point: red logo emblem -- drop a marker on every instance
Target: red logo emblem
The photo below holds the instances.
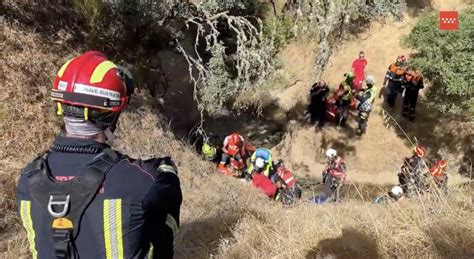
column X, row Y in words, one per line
column 448, row 20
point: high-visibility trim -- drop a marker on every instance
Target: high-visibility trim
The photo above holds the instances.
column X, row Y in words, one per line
column 149, row 255
column 113, row 229
column 167, row 168
column 25, row 213
column 63, row 68
column 171, row 223
column 287, row 181
column 86, row 113
column 100, row 71
column 60, row 109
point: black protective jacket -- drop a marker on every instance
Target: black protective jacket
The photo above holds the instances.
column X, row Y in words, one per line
column 134, row 214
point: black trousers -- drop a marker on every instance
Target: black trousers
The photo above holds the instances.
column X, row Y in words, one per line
column 409, row 103
column 362, row 126
column 342, row 112
column 394, row 88
column 318, row 112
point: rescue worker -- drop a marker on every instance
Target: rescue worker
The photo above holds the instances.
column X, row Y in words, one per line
column 394, row 195
column 394, row 77
column 358, row 67
column 440, row 176
column 317, row 106
column 124, row 207
column 334, row 162
column 411, row 84
column 288, row 188
column 345, row 94
column 282, row 174
column 261, row 162
column 366, row 100
column 234, row 146
column 411, row 171
column 209, row 152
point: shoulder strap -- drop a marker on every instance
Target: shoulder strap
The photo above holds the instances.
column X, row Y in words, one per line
column 65, row 202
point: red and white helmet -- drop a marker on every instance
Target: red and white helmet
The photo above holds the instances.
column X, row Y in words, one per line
column 235, row 139
column 91, row 87
column 419, row 150
column 441, row 163
column 402, row 59
column 92, row 81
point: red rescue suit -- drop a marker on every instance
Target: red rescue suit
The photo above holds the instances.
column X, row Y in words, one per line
column 265, row 184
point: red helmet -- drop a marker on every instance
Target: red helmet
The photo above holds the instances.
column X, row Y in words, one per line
column 92, row 81
column 402, row 59
column 236, row 139
column 441, row 163
column 419, row 150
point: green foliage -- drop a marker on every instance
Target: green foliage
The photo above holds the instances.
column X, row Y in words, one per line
column 279, row 30
column 446, row 58
column 242, row 7
column 376, row 9
column 91, row 9
column 216, row 87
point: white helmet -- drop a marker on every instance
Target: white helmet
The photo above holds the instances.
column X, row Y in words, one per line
column 259, row 163
column 396, row 191
column 370, row 80
column 331, row 153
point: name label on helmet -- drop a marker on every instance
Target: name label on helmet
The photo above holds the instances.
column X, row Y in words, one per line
column 96, row 91
column 62, row 85
column 57, row 95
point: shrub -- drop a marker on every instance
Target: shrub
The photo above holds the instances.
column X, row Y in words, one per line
column 446, row 59
column 91, row 10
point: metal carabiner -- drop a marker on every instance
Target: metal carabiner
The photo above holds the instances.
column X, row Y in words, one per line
column 65, row 205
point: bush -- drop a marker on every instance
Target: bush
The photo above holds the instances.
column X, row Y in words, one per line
column 446, row 59
column 279, row 30
column 91, row 10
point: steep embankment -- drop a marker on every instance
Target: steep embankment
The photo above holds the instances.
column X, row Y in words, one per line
column 377, row 155
column 222, row 216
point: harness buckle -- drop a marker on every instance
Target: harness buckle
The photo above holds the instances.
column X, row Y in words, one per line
column 55, row 203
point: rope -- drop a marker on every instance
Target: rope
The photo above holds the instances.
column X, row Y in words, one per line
column 386, row 114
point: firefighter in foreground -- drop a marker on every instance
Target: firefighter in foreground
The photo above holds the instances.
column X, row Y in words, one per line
column 124, row 208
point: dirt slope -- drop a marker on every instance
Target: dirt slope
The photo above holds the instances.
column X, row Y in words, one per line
column 377, row 155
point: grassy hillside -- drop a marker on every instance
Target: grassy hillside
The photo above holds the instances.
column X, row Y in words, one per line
column 221, row 217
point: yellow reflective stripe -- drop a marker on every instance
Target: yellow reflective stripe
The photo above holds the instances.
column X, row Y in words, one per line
column 100, row 71
column 25, row 214
column 63, row 68
column 171, row 223
column 108, row 248
column 150, row 252
column 113, row 229
column 167, row 168
column 118, row 213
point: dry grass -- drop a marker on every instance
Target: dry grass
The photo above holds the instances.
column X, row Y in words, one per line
column 221, row 217
column 27, row 124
